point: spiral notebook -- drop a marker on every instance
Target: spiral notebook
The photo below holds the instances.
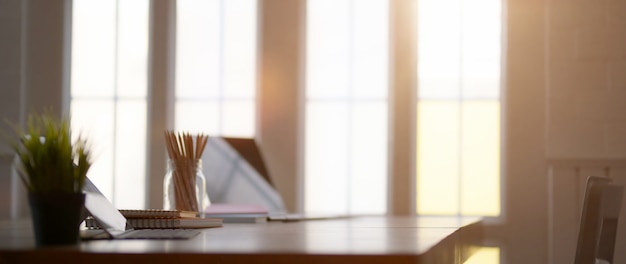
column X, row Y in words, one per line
column 163, row 223
column 157, row 213
column 116, row 226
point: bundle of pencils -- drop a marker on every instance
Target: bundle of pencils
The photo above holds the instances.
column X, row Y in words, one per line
column 184, row 156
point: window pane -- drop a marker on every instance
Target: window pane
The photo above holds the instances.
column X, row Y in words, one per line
column 346, row 113
column 371, row 49
column 198, row 57
column 239, row 48
column 481, row 49
column 438, row 157
column 368, row 148
column 130, row 154
column 197, row 117
column 459, row 57
column 216, row 67
column 480, row 33
column 94, row 119
column 132, row 48
column 327, row 160
column 458, row 165
column 233, row 118
column 438, row 60
column 93, row 48
column 238, row 118
column 480, row 149
column 108, row 93
column 328, row 48
column 481, row 79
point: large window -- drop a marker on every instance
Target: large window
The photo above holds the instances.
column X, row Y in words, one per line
column 458, row 109
column 346, row 87
column 214, row 91
column 346, row 106
column 109, row 93
column 216, row 66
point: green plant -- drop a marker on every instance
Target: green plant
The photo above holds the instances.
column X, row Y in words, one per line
column 48, row 160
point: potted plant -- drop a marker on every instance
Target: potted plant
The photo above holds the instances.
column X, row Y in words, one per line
column 53, row 170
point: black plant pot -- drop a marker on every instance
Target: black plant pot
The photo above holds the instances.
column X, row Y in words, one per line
column 56, row 217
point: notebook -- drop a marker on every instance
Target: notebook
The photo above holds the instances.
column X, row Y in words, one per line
column 157, row 213
column 163, row 223
column 237, row 213
column 116, row 226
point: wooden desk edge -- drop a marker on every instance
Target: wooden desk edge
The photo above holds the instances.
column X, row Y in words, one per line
column 456, row 248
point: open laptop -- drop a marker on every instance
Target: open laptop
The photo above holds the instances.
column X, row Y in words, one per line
column 237, row 174
column 115, row 225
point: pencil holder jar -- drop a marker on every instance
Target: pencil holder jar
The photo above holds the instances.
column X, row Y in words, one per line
column 184, row 186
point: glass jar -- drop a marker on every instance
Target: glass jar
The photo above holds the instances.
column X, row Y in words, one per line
column 184, row 186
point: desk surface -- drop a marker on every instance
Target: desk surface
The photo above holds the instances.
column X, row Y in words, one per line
column 362, row 239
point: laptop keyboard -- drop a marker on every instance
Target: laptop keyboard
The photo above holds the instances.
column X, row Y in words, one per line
column 160, row 234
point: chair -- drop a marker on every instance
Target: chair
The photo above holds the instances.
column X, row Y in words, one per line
column 598, row 222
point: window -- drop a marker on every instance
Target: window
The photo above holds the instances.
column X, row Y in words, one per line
column 346, row 106
column 215, row 82
column 109, row 92
column 346, row 96
column 458, row 109
column 216, row 67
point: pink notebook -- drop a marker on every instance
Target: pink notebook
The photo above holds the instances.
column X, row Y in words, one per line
column 235, row 209
column 237, row 213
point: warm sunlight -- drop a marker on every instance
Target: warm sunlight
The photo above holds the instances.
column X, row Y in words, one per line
column 346, row 106
column 216, row 45
column 458, row 109
column 485, row 255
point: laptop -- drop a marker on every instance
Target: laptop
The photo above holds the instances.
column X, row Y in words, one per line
column 115, row 225
column 237, row 175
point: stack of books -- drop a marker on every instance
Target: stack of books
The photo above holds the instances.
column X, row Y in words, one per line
column 161, row 219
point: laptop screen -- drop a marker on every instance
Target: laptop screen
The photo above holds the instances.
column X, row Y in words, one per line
column 102, row 210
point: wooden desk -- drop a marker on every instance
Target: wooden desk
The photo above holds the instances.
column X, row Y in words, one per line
column 354, row 240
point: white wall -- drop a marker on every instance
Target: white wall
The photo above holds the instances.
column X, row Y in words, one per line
column 566, row 86
column 32, row 42
column 10, row 47
column 280, row 68
column 524, row 173
column 586, row 60
column 586, row 113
